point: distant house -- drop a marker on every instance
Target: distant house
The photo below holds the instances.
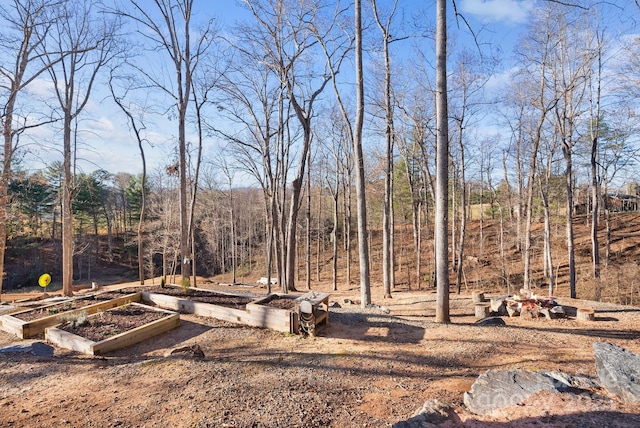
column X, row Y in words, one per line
column 619, row 203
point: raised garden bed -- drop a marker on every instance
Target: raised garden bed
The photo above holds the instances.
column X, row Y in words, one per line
column 222, row 306
column 113, row 329
column 276, row 311
column 28, row 323
column 203, row 296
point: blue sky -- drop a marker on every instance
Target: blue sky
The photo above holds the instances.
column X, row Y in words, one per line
column 108, row 143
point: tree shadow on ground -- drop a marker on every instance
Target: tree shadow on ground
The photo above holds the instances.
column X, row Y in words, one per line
column 372, row 328
column 602, row 418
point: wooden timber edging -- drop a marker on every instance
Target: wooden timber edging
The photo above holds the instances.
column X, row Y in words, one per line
column 26, row 329
column 183, row 305
column 254, row 314
column 71, row 341
column 261, row 315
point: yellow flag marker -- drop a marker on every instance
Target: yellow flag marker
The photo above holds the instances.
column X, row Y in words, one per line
column 44, row 280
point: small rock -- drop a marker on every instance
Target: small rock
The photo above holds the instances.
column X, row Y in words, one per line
column 334, row 305
column 430, row 415
column 192, row 351
column 491, row 321
column 348, row 302
column 382, row 309
column 618, row 370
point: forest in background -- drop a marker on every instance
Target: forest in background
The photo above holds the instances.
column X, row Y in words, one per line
column 106, row 240
column 550, row 137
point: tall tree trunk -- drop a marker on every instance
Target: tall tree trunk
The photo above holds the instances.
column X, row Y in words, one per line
column 319, row 226
column 334, row 233
column 67, row 213
column 361, row 199
column 595, row 188
column 463, row 216
column 234, row 238
column 308, row 223
column 388, row 266
column 569, row 225
column 442, row 168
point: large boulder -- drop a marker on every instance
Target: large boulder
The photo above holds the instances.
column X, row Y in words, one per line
column 618, row 370
column 497, row 389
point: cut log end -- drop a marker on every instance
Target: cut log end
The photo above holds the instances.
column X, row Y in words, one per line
column 478, row 296
column 585, row 314
column 482, row 310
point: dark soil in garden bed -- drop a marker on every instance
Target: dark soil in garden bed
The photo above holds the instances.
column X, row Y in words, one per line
column 231, row 301
column 280, row 303
column 60, row 308
column 114, row 321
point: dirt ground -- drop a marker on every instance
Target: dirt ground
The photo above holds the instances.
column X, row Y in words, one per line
column 365, row 369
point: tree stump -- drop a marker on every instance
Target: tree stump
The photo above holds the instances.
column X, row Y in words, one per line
column 482, row 310
column 477, row 296
column 585, row 314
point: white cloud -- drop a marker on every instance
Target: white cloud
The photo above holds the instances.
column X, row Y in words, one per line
column 499, row 81
column 42, row 88
column 507, row 11
column 102, row 124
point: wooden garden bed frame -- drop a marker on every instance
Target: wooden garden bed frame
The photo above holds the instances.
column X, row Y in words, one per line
column 26, row 329
column 184, row 305
column 64, row 339
column 261, row 315
column 253, row 315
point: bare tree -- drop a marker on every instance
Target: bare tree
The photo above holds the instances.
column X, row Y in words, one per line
column 88, row 43
column 442, row 168
column 25, row 25
column 570, row 70
column 595, row 95
column 388, row 266
column 361, row 198
column 466, row 101
column 138, row 127
column 167, row 27
column 534, row 101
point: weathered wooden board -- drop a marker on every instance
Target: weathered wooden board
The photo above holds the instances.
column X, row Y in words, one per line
column 197, row 308
column 254, row 315
column 260, row 315
column 77, row 343
column 26, row 329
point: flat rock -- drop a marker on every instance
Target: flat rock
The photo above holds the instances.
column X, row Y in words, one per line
column 430, row 415
column 382, row 309
column 192, row 351
column 491, row 321
column 618, row 370
column 497, row 389
column 36, row 348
